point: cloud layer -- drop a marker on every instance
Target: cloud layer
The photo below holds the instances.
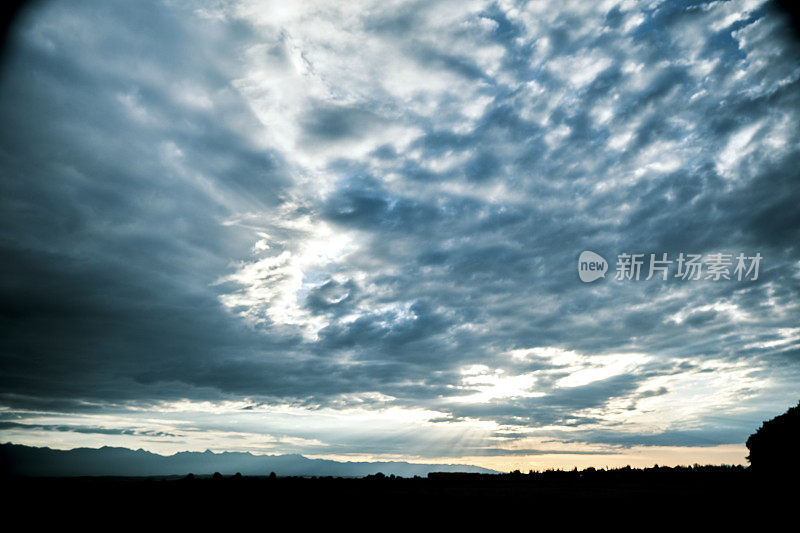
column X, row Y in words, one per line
column 354, row 229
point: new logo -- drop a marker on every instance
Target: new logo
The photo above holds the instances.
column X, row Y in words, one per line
column 591, row 266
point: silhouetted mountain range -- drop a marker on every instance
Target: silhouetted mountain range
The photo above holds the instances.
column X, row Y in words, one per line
column 107, row 461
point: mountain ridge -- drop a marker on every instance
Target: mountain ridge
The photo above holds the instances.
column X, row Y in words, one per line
column 19, row 459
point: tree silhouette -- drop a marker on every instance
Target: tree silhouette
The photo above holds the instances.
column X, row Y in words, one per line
column 774, row 446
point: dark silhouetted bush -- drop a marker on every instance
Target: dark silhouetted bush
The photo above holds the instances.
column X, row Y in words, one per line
column 774, row 447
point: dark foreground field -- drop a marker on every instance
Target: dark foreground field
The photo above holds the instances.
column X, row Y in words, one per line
column 689, row 492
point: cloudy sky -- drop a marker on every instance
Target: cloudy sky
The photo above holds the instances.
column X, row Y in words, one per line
column 351, row 229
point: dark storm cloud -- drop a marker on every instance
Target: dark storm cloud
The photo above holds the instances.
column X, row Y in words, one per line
column 136, row 180
column 328, row 123
column 108, row 287
column 557, row 407
column 83, row 429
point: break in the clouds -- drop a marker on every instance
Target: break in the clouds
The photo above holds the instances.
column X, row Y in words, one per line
column 352, row 229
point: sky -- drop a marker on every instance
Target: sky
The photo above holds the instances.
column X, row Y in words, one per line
column 351, row 230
